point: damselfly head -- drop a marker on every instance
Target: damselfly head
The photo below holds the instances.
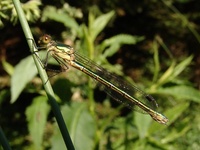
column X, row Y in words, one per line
column 44, row 40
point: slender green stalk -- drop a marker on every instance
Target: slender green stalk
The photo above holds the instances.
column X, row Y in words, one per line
column 44, row 77
column 4, row 141
column 156, row 61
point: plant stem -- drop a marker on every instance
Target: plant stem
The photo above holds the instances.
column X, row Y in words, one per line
column 4, row 141
column 44, row 77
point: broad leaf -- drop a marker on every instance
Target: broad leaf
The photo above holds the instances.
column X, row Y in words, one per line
column 181, row 92
column 81, row 126
column 51, row 12
column 36, row 115
column 142, row 122
column 181, row 66
column 115, row 42
column 96, row 26
column 24, row 72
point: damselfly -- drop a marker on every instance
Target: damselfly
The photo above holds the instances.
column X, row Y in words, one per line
column 117, row 88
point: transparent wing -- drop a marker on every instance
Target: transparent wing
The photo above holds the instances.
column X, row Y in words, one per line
column 115, row 80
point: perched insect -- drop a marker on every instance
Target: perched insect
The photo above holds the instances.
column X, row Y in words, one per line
column 117, row 88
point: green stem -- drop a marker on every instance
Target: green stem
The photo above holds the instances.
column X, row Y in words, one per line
column 44, row 77
column 4, row 141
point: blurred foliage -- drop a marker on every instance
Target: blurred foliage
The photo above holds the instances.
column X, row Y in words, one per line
column 8, row 13
column 163, row 56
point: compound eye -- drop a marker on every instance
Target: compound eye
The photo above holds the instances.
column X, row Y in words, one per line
column 46, row 38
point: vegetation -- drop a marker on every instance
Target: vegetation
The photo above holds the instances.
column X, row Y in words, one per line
column 152, row 44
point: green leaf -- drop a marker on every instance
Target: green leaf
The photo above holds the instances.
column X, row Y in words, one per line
column 181, row 92
column 167, row 74
column 24, row 72
column 175, row 134
column 115, row 42
column 96, row 26
column 32, row 10
column 142, row 122
column 51, row 12
column 174, row 70
column 8, row 67
column 81, row 127
column 172, row 114
column 181, row 66
column 36, row 115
